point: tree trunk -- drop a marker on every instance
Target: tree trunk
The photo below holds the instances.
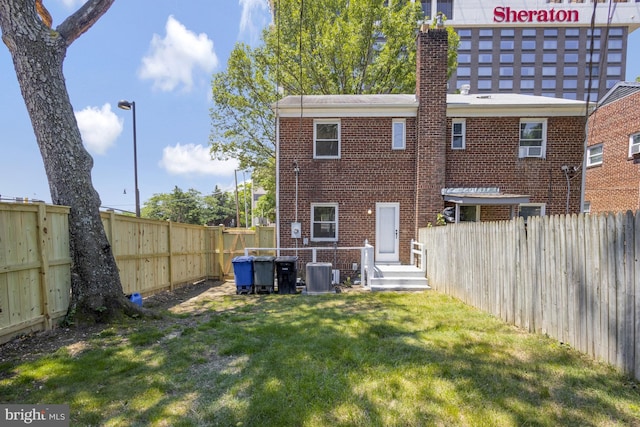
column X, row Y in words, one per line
column 38, row 53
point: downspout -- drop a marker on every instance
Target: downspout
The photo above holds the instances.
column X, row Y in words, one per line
column 277, row 181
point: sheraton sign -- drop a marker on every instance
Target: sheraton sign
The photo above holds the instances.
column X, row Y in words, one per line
column 506, row 14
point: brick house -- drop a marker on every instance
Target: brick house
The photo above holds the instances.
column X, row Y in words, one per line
column 379, row 167
column 612, row 181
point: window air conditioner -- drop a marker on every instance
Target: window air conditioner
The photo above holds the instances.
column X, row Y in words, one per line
column 635, row 149
column 530, row 152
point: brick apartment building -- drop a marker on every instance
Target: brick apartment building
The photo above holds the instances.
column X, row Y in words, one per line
column 379, row 167
column 612, row 181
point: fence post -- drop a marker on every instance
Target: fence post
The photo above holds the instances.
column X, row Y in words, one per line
column 43, row 254
column 170, row 266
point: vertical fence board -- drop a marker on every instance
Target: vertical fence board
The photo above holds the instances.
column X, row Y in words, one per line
column 636, row 293
column 627, row 319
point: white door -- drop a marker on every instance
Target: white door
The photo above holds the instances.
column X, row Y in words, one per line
column 387, row 232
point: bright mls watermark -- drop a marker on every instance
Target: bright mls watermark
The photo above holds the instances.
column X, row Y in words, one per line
column 34, row 415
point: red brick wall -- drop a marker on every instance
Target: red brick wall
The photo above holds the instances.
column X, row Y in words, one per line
column 490, row 159
column 368, row 171
column 615, row 184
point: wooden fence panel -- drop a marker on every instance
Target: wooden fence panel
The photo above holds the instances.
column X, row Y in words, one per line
column 34, row 267
column 576, row 278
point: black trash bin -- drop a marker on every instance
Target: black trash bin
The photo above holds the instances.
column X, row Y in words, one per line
column 287, row 272
column 243, row 273
column 263, row 274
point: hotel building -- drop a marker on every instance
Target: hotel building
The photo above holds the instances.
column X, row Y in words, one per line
column 540, row 47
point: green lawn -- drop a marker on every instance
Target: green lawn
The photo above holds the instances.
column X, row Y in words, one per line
column 356, row 359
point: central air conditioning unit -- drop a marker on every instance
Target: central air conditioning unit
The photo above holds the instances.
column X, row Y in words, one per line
column 319, row 278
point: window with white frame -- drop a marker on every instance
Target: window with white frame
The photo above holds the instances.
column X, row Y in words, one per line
column 398, row 134
column 533, row 138
column 324, row 222
column 634, row 144
column 586, row 207
column 458, row 133
column 525, row 210
column 326, row 139
column 594, row 155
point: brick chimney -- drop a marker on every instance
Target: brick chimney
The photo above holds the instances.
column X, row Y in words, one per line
column 431, row 93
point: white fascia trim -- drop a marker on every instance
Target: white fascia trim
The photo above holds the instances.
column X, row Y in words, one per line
column 514, row 111
column 377, row 111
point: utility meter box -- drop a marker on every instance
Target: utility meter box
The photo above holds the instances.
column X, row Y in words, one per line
column 296, row 230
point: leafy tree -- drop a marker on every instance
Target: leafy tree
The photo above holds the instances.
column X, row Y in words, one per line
column 38, row 53
column 638, row 79
column 332, row 47
column 221, row 208
column 177, row 206
column 191, row 207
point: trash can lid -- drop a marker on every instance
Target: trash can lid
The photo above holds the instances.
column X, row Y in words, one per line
column 243, row 259
column 264, row 258
column 287, row 259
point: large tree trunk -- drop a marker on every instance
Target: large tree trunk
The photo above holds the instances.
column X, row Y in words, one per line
column 38, row 53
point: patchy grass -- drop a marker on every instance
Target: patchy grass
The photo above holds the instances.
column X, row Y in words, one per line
column 357, row 359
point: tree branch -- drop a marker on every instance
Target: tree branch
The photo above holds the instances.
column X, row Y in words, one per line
column 83, row 19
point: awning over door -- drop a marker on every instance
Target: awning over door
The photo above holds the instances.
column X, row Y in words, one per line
column 482, row 196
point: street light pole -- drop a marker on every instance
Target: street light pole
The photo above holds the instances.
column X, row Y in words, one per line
column 126, row 105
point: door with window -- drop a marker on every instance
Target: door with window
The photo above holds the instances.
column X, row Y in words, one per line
column 387, row 232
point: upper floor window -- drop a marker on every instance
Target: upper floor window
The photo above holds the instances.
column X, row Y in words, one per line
column 458, row 132
column 398, row 134
column 533, row 138
column 326, row 139
column 324, row 222
column 594, row 155
column 634, row 144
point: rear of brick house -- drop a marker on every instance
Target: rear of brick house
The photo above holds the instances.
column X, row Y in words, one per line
column 352, row 168
column 612, row 177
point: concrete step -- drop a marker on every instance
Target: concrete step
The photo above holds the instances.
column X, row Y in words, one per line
column 393, row 283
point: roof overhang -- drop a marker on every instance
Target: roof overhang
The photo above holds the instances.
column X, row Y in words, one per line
column 405, row 105
column 482, row 196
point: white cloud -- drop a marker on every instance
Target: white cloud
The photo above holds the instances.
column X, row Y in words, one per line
column 72, row 4
column 173, row 60
column 191, row 159
column 99, row 127
column 251, row 20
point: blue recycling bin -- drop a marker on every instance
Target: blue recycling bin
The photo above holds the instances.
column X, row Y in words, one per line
column 243, row 273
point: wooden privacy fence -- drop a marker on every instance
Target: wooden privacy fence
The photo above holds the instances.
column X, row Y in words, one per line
column 34, row 267
column 152, row 256
column 575, row 278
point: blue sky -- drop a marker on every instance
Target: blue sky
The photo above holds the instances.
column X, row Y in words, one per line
column 160, row 54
